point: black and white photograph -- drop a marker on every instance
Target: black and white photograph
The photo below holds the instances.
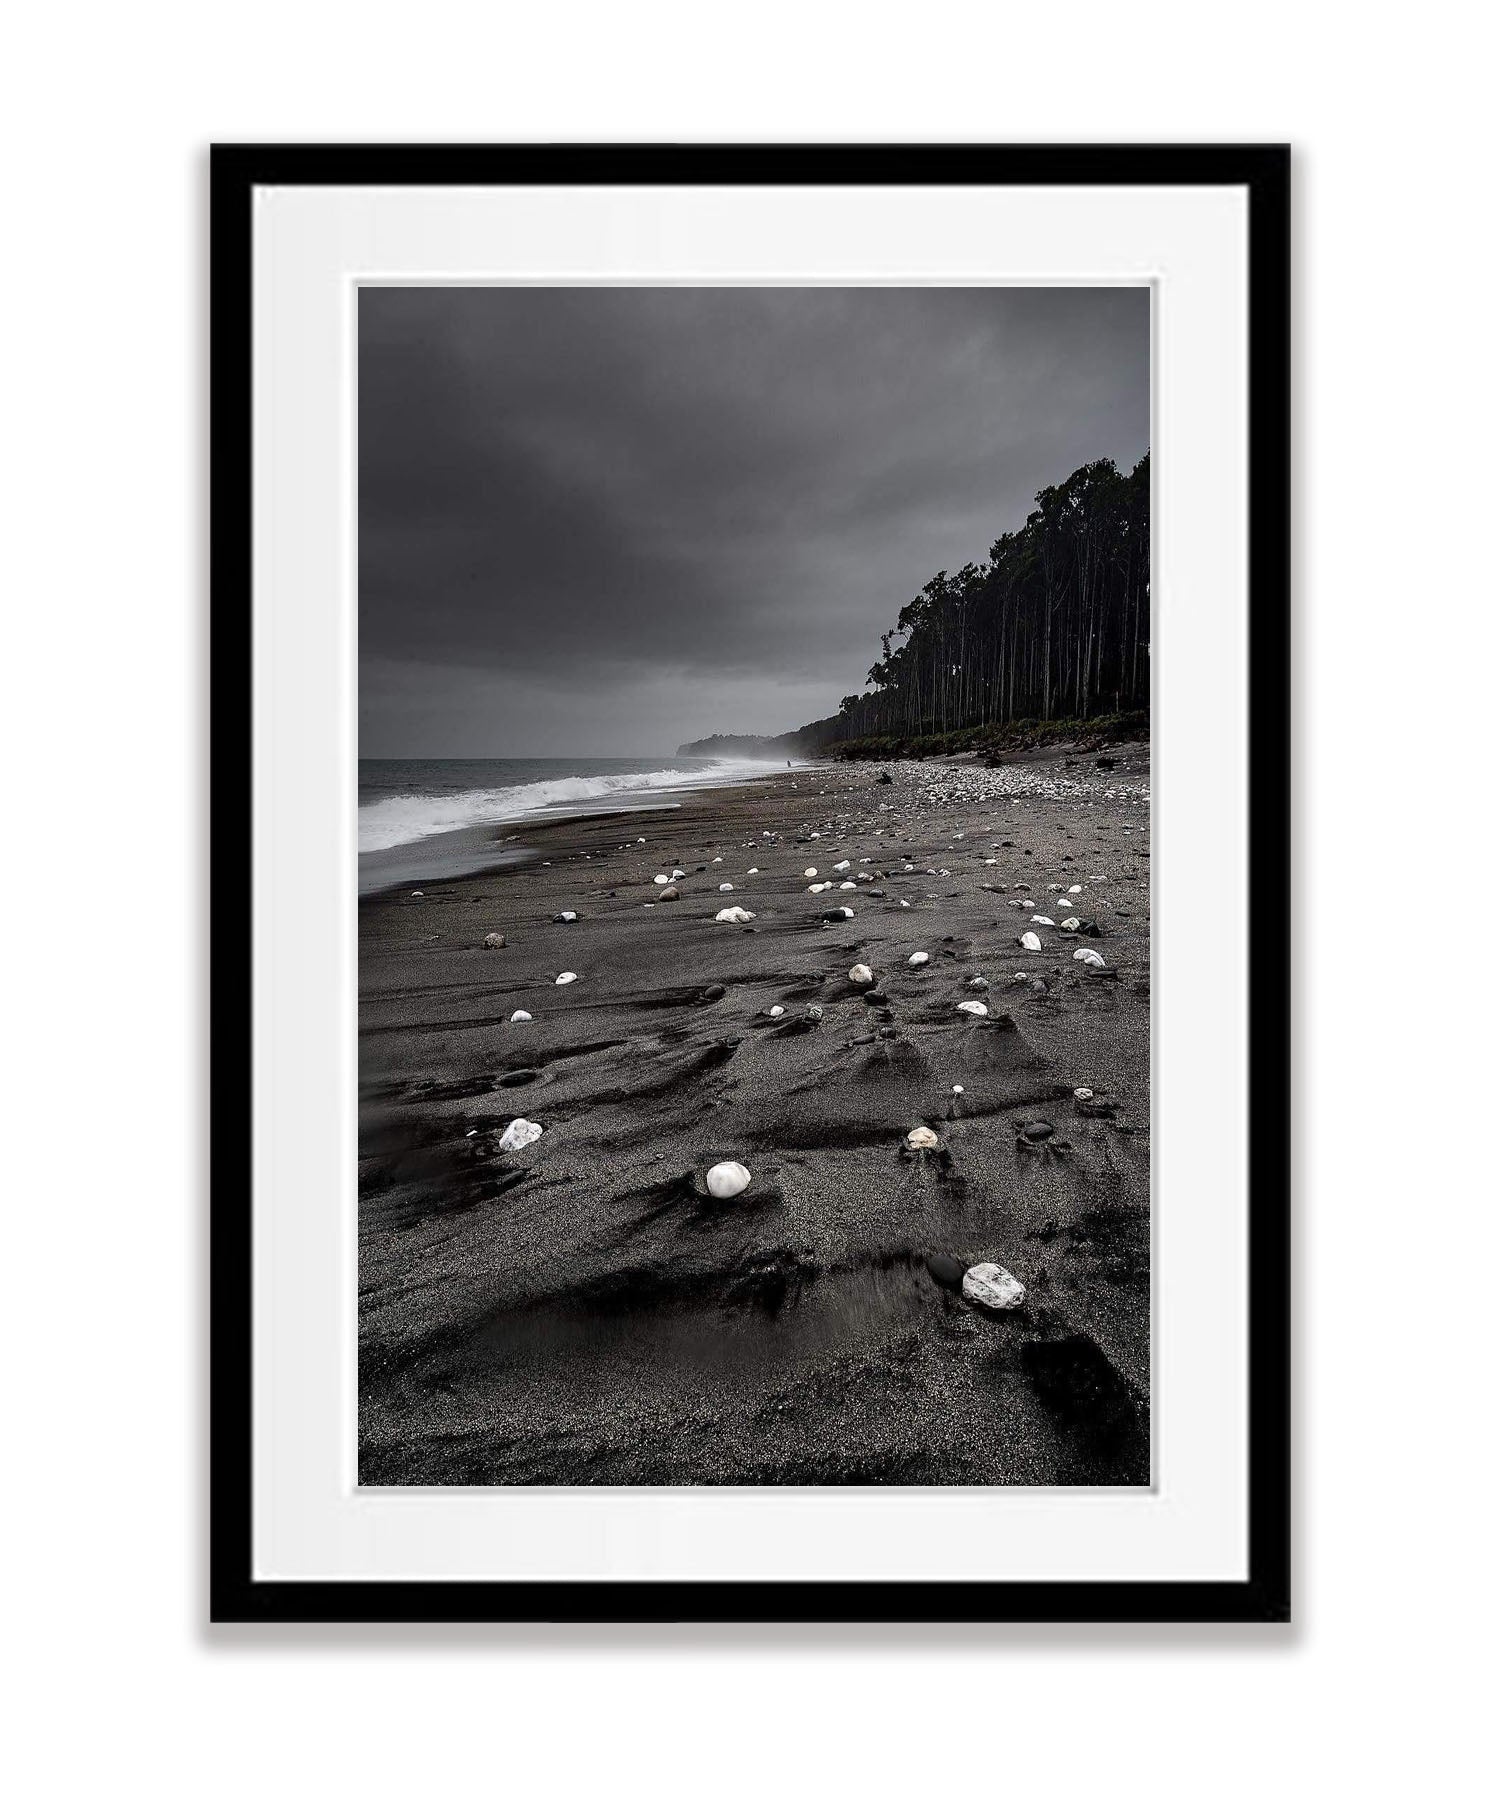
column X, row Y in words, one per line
column 754, row 934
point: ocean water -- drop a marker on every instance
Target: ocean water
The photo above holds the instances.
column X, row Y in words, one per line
column 426, row 819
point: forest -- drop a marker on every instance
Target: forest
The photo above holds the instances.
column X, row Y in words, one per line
column 1056, row 623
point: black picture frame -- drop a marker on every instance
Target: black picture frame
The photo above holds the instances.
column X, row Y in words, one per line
column 1263, row 171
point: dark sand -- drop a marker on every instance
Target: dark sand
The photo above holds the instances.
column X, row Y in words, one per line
column 579, row 1311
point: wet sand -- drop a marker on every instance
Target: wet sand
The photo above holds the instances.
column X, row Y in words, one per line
column 581, row 1311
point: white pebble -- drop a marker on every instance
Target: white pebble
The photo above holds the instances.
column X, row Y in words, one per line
column 518, row 1018
column 917, row 958
column 1030, row 941
column 922, row 1138
column 809, row 874
column 726, row 887
column 733, row 915
column 987, row 1284
column 976, row 1009
column 563, row 979
column 726, row 1179
column 518, row 1134
column 776, row 1012
column 1091, row 957
column 861, row 975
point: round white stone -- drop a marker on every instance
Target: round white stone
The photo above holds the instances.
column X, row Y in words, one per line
column 519, row 1018
column 917, row 958
column 726, row 1179
column 923, row 1137
column 1030, row 941
column 563, row 979
column 861, row 975
column 976, row 1009
column 987, row 1284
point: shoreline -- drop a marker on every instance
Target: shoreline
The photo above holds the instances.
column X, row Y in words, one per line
column 579, row 1310
column 476, row 849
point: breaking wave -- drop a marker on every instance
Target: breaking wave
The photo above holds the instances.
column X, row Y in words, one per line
column 407, row 818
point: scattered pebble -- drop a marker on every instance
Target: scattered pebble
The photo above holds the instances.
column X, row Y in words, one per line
column 976, row 1009
column 922, row 1137
column 733, row 915
column 563, row 979
column 495, row 940
column 519, row 1018
column 518, row 1134
column 947, row 1271
column 917, row 958
column 862, row 975
column 987, row 1284
column 564, row 918
column 726, row 1179
column 1029, row 940
column 1091, row 957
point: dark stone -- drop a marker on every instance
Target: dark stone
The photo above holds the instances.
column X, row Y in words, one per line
column 1037, row 1131
column 874, row 998
column 716, row 992
column 947, row 1271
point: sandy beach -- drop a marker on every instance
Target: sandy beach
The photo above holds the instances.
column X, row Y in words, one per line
column 581, row 1310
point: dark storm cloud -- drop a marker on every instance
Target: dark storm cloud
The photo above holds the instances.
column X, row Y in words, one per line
column 599, row 520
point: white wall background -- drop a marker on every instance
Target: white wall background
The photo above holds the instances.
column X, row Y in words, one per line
column 1380, row 1687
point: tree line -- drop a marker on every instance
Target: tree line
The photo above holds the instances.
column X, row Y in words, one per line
column 1055, row 624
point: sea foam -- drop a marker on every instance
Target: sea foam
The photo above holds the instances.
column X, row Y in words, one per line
column 407, row 818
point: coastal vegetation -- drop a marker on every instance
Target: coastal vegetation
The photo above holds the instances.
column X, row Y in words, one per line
column 1049, row 636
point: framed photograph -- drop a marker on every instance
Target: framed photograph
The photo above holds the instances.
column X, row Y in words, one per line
column 750, row 883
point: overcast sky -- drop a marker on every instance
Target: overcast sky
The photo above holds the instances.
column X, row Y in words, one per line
column 602, row 521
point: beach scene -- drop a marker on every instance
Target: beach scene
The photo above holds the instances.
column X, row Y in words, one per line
column 754, row 887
